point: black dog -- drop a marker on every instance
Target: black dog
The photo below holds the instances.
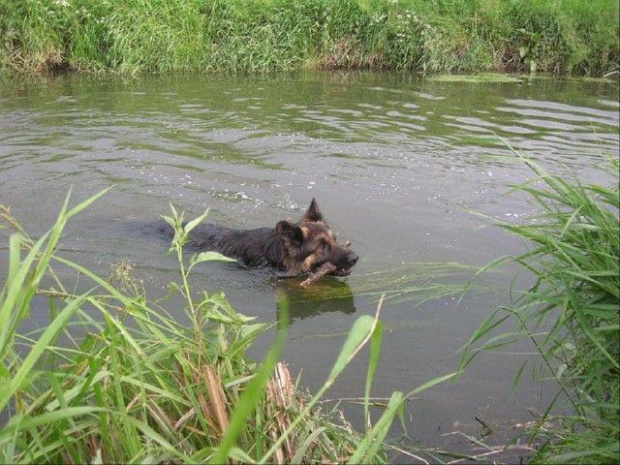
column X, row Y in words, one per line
column 291, row 248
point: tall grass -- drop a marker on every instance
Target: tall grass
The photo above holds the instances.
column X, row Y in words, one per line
column 570, row 36
column 114, row 378
column 571, row 314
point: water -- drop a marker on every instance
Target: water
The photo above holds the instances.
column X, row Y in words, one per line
column 397, row 165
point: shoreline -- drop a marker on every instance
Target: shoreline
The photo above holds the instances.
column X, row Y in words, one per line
column 455, row 37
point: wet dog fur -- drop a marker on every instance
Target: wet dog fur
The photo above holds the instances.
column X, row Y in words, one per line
column 292, row 249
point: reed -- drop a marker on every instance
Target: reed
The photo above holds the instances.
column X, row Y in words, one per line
column 571, row 314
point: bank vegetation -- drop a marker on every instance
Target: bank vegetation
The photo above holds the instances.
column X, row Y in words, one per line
column 457, row 36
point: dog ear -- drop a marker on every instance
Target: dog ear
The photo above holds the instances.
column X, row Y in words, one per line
column 313, row 213
column 290, row 231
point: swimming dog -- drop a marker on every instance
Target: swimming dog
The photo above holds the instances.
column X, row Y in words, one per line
column 292, row 249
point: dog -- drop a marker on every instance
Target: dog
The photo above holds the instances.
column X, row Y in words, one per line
column 292, row 249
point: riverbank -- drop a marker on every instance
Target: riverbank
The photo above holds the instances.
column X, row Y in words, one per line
column 457, row 36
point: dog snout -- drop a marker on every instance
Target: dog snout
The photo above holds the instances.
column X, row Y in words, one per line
column 352, row 259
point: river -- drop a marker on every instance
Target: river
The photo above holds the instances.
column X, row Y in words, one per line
column 411, row 171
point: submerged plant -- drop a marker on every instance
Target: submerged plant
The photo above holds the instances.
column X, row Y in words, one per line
column 114, row 378
column 571, row 313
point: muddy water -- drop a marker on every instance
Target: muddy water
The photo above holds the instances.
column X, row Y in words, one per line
column 396, row 164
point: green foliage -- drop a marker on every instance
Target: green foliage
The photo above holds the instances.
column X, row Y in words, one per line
column 114, row 379
column 571, row 314
column 267, row 35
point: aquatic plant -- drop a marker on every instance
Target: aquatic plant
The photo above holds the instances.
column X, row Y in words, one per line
column 263, row 35
column 114, row 378
column 571, row 314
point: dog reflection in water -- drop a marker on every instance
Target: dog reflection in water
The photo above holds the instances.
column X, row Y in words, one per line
column 326, row 296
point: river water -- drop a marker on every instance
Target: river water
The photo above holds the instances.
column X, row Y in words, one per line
column 399, row 166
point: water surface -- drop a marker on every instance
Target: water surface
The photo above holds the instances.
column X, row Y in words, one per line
column 397, row 165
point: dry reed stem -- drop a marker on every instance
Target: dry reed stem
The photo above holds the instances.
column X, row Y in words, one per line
column 157, row 411
column 181, row 421
column 281, row 398
column 217, row 396
column 208, row 414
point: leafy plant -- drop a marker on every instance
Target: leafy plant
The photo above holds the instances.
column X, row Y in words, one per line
column 570, row 314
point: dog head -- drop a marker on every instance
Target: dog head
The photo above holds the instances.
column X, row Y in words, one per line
column 311, row 243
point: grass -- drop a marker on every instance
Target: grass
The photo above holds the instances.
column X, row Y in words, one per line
column 456, row 36
column 417, row 283
column 571, row 315
column 113, row 378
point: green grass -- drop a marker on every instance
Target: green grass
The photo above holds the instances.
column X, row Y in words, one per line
column 571, row 314
column 457, row 36
column 113, row 378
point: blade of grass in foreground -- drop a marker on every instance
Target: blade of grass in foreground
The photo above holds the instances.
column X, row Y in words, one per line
column 373, row 363
column 374, row 438
column 21, row 377
column 15, row 290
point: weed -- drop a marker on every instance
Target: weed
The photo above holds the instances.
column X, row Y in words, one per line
column 571, row 314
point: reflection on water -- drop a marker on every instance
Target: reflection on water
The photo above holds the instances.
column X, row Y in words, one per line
column 327, row 295
column 396, row 163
